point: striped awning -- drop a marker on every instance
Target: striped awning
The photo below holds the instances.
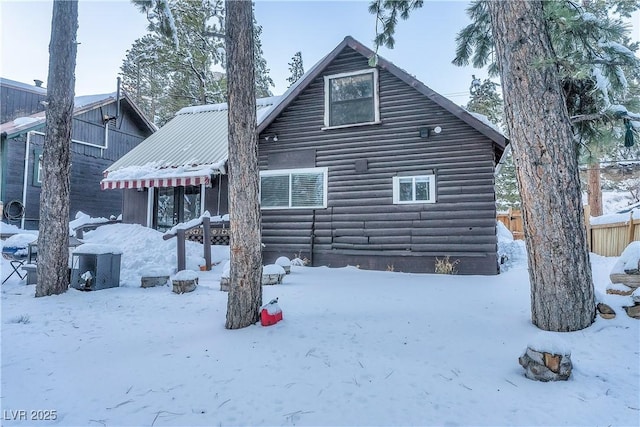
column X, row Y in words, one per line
column 176, row 181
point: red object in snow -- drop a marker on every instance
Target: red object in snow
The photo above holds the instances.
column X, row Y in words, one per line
column 270, row 314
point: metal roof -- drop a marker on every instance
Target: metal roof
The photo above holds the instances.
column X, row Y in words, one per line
column 198, row 135
column 195, row 136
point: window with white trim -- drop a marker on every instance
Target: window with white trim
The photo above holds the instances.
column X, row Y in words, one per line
column 351, row 98
column 37, row 167
column 414, row 189
column 294, row 188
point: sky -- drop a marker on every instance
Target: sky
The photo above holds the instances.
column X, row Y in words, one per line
column 354, row 348
column 107, row 29
column 424, row 44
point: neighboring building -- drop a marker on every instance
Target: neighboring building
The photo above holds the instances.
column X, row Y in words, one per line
column 359, row 165
column 103, row 130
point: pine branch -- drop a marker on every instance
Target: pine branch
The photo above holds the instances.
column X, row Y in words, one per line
column 215, row 34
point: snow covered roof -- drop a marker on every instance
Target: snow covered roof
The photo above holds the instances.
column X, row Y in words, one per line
column 23, row 86
column 292, row 93
column 196, row 138
column 152, row 175
column 22, row 124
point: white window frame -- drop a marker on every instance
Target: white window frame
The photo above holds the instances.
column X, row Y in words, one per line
column 396, row 189
column 37, row 168
column 39, row 173
column 327, row 101
column 290, row 172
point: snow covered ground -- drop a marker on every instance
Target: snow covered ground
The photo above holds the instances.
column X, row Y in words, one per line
column 355, row 348
column 614, row 201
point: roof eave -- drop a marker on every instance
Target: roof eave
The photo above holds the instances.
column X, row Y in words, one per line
column 152, row 127
column 292, row 94
column 442, row 101
column 78, row 111
column 500, row 140
column 10, row 134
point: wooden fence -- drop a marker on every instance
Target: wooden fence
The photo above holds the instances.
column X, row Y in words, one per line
column 512, row 219
column 603, row 239
column 611, row 239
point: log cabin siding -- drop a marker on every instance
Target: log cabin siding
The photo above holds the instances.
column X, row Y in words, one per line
column 361, row 225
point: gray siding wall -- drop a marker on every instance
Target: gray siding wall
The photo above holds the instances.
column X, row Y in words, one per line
column 87, row 165
column 123, row 134
column 135, row 202
column 361, row 225
column 16, row 103
column 219, row 192
column 134, row 210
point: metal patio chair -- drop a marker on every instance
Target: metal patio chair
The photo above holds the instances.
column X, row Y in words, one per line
column 16, row 257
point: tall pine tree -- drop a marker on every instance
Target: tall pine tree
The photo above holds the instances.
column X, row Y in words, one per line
column 296, row 68
column 143, row 74
column 485, row 99
column 53, row 237
column 184, row 47
column 264, row 83
column 245, row 290
column 562, row 296
column 598, row 69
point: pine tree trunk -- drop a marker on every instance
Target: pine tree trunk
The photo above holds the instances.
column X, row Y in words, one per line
column 245, row 290
column 562, row 296
column 53, row 239
column 594, row 189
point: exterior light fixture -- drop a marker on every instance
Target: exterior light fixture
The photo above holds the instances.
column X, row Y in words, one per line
column 425, row 132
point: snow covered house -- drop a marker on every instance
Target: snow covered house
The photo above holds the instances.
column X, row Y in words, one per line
column 360, row 165
column 102, row 131
column 373, row 168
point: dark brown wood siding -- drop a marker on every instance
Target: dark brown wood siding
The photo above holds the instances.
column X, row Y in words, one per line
column 361, row 225
column 87, row 164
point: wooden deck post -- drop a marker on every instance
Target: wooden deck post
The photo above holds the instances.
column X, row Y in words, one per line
column 181, row 250
column 206, row 241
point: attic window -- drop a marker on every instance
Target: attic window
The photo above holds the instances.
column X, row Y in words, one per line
column 351, row 98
